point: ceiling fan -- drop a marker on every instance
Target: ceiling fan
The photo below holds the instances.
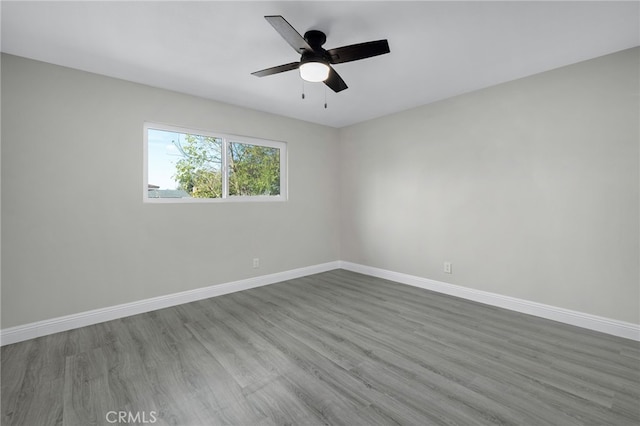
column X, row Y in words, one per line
column 315, row 62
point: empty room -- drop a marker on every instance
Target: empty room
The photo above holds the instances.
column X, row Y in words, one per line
column 320, row 213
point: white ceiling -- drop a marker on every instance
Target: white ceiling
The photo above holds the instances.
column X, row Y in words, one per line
column 209, row 48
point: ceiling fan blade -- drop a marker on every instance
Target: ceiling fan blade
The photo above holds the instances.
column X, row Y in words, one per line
column 276, row 70
column 335, row 82
column 289, row 33
column 358, row 51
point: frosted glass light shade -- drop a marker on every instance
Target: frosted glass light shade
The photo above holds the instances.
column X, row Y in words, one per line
column 314, row 71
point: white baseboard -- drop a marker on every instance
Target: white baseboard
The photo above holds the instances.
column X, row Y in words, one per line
column 579, row 319
column 82, row 319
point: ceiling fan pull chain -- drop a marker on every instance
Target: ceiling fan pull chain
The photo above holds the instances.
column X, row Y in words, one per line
column 325, row 97
column 302, row 89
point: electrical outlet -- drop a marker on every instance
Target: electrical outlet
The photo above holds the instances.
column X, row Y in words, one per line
column 447, row 267
column 256, row 262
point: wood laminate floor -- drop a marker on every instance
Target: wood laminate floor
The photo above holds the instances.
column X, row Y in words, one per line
column 334, row 348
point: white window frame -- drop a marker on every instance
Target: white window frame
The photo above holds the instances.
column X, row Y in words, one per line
column 226, row 138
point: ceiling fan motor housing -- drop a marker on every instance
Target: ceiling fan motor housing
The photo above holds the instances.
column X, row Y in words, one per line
column 315, row 57
column 315, row 38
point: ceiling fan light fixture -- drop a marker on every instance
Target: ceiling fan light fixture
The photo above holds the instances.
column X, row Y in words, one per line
column 314, row 71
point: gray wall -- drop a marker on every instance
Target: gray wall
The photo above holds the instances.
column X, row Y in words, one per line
column 530, row 188
column 75, row 233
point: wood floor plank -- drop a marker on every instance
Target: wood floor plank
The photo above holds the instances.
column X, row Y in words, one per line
column 238, row 359
column 332, row 375
column 335, row 348
column 300, row 382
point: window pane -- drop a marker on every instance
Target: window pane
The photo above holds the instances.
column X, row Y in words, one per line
column 253, row 170
column 183, row 165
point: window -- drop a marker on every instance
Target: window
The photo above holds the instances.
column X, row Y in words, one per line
column 184, row 165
